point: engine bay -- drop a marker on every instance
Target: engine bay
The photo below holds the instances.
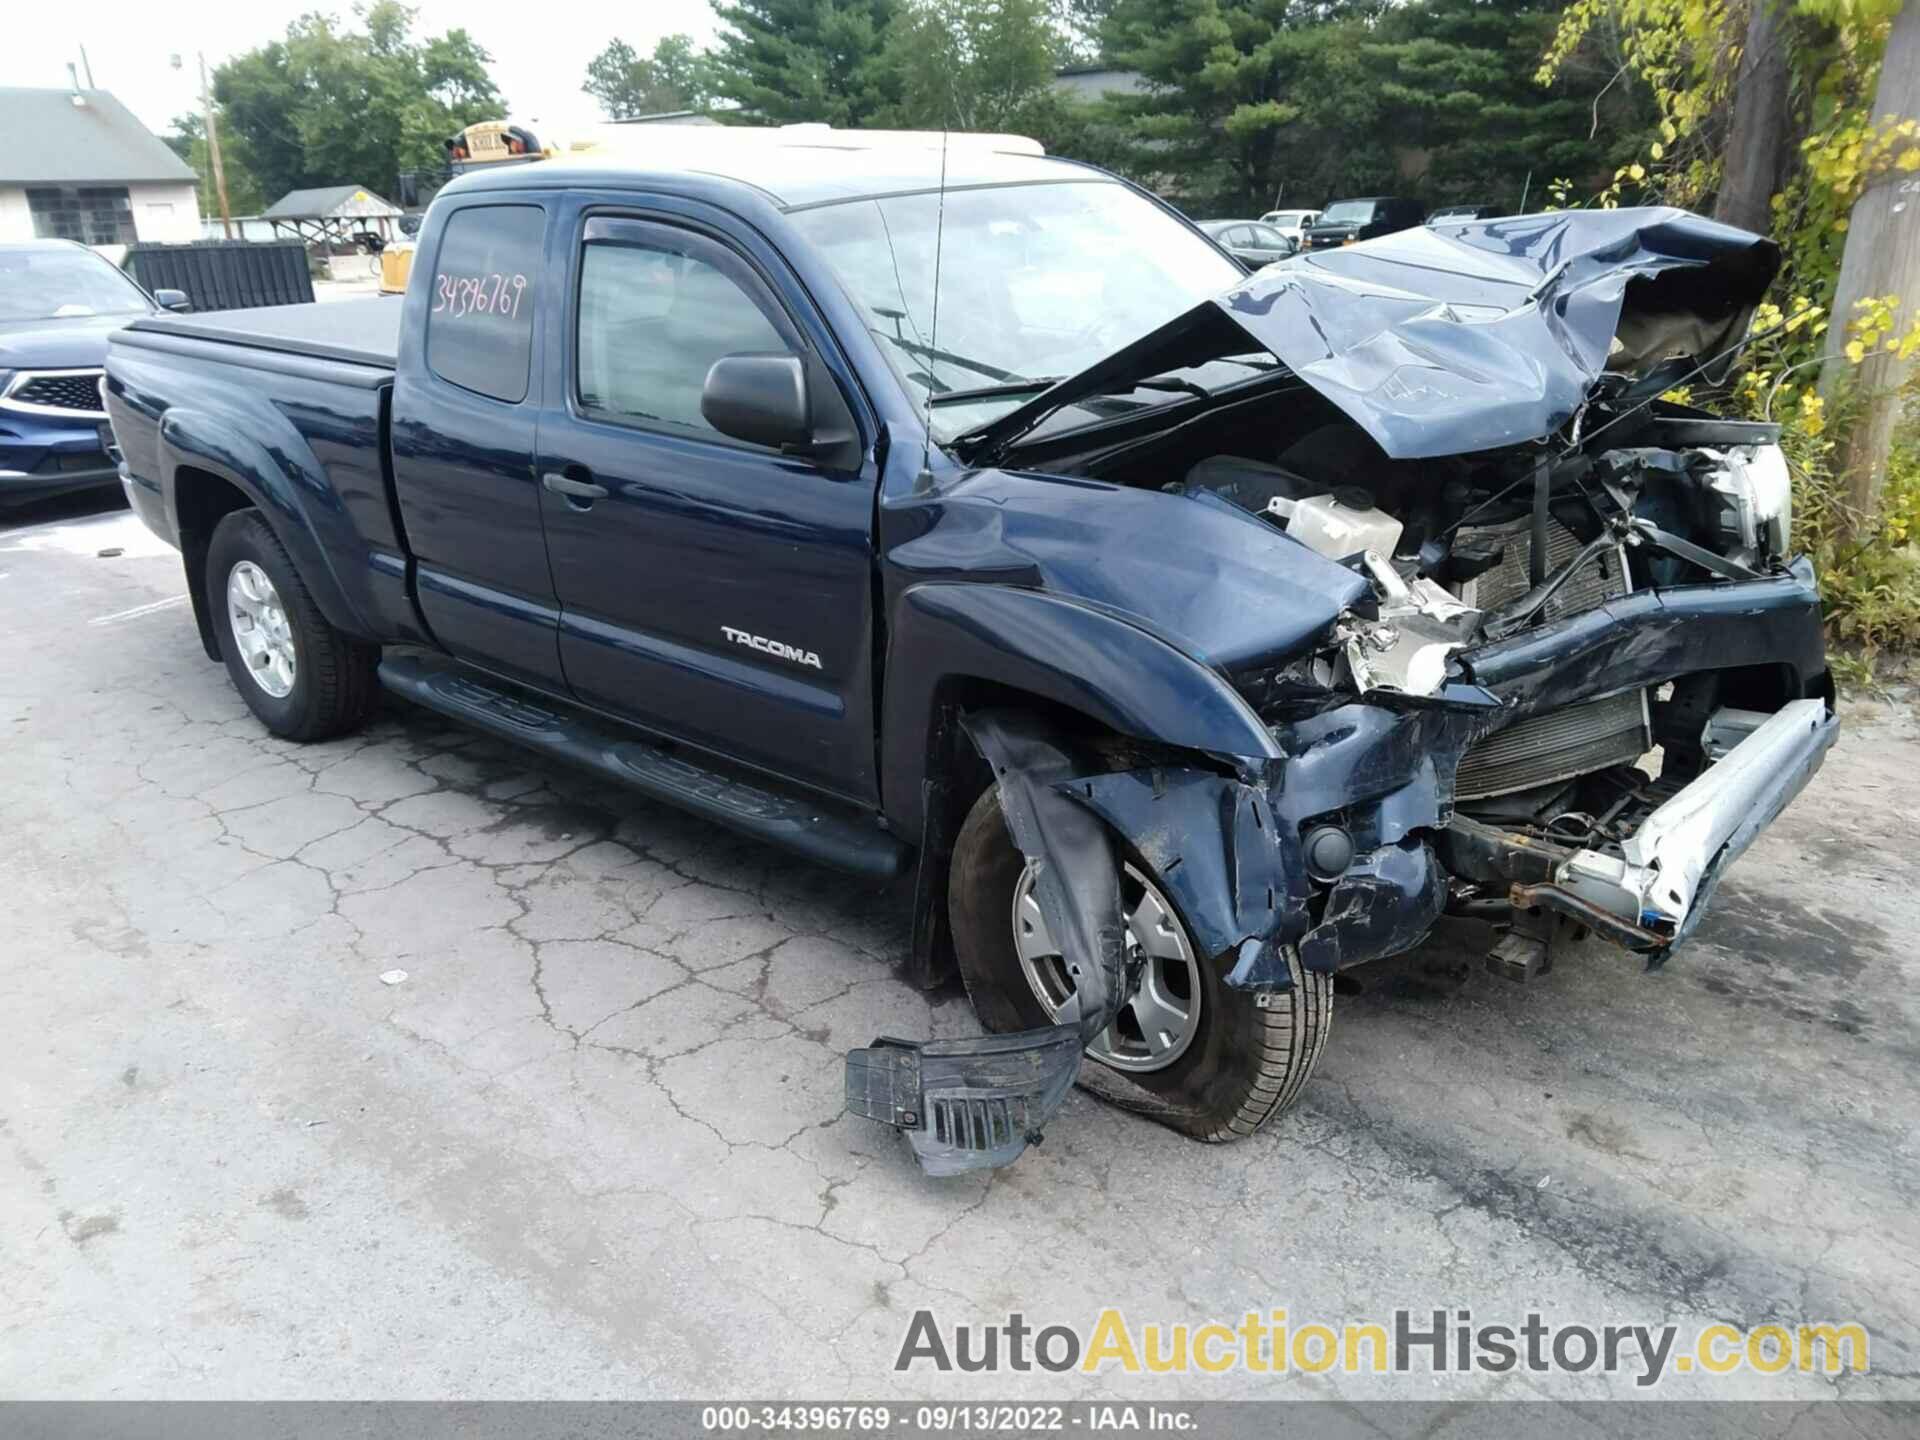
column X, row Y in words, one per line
column 1460, row 552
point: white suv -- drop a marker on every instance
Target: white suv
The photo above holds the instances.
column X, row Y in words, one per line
column 1290, row 222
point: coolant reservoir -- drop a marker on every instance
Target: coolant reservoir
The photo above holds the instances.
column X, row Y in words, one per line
column 1338, row 525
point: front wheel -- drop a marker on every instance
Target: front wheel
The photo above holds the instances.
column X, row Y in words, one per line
column 1218, row 1062
column 303, row 678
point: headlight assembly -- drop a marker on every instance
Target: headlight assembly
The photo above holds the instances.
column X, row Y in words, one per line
column 1755, row 495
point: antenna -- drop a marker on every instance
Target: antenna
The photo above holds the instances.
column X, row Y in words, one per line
column 925, row 481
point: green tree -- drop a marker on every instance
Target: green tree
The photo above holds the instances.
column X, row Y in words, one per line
column 783, row 61
column 1230, row 80
column 969, row 64
column 330, row 106
column 677, row 76
column 188, row 140
column 1455, row 83
column 1078, row 25
column 1258, row 102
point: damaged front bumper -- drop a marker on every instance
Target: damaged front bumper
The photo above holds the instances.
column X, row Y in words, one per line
column 1345, row 847
column 1651, row 895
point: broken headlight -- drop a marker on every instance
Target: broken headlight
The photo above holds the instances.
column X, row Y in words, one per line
column 1755, row 503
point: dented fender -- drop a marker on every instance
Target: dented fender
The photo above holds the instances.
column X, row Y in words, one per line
column 1229, row 846
column 1053, row 648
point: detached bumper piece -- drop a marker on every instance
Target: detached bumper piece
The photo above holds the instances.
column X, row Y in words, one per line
column 974, row 1104
column 1650, row 896
column 966, row 1104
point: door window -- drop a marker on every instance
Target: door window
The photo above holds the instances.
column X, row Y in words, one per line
column 653, row 319
column 480, row 326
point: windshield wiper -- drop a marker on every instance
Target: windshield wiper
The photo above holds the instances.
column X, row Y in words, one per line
column 1171, row 383
column 991, row 392
column 947, row 357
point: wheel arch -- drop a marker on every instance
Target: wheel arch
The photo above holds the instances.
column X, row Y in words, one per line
column 211, row 471
column 956, row 648
column 956, row 645
column 202, row 500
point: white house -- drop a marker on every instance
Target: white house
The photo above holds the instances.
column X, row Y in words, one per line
column 78, row 166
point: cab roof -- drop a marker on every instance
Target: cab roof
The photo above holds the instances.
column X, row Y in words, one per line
column 793, row 170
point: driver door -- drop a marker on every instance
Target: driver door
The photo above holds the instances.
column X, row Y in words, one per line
column 713, row 590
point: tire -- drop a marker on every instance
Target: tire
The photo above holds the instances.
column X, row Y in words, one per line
column 331, row 675
column 1243, row 1064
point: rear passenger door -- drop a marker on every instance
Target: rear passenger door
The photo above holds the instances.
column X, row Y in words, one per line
column 465, row 409
column 712, row 589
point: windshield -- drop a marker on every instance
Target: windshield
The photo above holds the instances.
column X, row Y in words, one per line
column 1037, row 282
column 1348, row 212
column 64, row 284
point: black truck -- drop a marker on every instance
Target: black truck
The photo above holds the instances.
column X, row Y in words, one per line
column 1184, row 639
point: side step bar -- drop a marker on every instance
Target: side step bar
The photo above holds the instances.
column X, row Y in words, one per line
column 844, row 839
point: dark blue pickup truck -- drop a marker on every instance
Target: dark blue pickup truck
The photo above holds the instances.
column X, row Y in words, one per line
column 1189, row 638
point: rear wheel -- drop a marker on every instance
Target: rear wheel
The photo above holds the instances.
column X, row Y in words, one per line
column 1217, row 1062
column 303, row 678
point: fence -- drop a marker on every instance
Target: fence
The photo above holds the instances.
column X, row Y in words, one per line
column 226, row 274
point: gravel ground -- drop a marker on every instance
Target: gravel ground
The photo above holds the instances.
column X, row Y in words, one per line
column 592, row 1144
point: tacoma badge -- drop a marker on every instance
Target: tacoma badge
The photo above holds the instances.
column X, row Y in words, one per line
column 772, row 647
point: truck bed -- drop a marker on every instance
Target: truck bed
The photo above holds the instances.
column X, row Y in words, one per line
column 360, row 332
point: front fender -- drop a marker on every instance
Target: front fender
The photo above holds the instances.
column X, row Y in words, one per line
column 282, row 484
column 1053, row 648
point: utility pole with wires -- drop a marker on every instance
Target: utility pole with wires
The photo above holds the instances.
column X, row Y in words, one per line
column 213, row 145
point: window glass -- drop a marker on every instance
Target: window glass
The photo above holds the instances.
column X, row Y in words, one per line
column 1035, row 281
column 61, row 284
column 480, row 326
column 91, row 214
column 652, row 322
column 1349, row 212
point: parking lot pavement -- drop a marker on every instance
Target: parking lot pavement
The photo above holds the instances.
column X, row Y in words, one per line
column 592, row 1144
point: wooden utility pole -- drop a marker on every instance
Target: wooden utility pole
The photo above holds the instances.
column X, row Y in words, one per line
column 1882, row 258
column 1757, row 134
column 213, row 150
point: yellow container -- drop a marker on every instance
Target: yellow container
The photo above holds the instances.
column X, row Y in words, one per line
column 396, row 264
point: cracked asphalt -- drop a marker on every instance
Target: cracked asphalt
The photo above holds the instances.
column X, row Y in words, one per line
column 592, row 1144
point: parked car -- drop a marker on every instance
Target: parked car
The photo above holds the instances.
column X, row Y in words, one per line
column 1447, row 214
column 1290, row 223
column 1185, row 652
column 1250, row 242
column 58, row 303
column 1346, row 221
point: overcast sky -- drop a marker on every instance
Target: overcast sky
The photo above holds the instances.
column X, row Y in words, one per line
column 540, row 48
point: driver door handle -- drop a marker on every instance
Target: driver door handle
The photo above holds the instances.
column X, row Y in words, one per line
column 579, row 490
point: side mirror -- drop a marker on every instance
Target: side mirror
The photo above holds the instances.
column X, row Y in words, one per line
column 759, row 398
column 175, row 300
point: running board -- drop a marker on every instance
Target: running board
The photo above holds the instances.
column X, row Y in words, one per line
column 966, row 1104
column 844, row 839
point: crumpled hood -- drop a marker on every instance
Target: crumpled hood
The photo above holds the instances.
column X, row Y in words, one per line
column 1467, row 336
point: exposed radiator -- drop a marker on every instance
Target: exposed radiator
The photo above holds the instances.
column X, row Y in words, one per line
column 1562, row 743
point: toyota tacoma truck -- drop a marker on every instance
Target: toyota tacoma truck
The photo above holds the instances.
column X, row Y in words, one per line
column 1188, row 638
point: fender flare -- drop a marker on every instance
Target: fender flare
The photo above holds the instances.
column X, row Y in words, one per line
column 273, row 481
column 1054, row 648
